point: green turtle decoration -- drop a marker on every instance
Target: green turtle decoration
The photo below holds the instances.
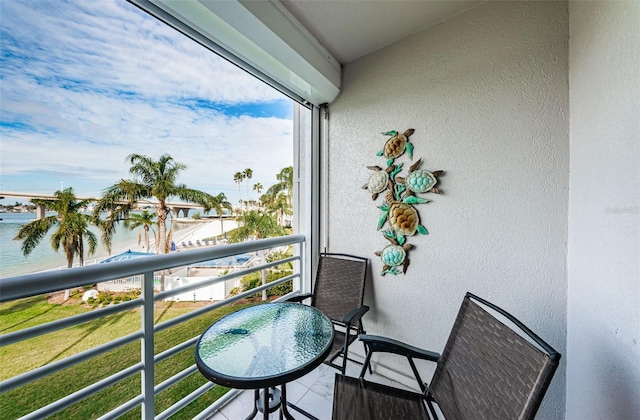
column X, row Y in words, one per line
column 381, row 179
column 394, row 255
column 419, row 180
column 400, row 198
column 397, row 145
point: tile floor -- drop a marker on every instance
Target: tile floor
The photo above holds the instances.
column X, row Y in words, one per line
column 312, row 393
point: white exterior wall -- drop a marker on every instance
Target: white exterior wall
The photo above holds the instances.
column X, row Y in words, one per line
column 487, row 93
column 603, row 342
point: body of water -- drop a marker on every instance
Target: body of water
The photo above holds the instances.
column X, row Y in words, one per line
column 232, row 261
column 43, row 257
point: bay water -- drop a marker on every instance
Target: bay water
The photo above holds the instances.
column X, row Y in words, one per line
column 44, row 257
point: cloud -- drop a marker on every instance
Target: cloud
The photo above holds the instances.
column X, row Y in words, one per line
column 84, row 84
column 114, row 47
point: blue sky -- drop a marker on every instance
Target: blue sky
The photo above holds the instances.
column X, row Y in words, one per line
column 85, row 83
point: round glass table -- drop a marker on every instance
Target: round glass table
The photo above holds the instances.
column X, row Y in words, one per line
column 265, row 346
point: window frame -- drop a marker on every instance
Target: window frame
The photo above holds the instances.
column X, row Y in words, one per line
column 307, row 132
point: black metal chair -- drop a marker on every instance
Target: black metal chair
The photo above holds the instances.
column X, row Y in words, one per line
column 339, row 292
column 492, row 367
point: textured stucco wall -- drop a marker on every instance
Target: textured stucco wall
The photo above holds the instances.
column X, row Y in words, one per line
column 603, row 342
column 487, row 93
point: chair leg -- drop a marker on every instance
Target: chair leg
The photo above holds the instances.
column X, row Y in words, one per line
column 367, row 363
column 345, row 351
column 366, row 351
column 432, row 409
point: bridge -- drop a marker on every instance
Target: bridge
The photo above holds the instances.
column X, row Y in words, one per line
column 175, row 208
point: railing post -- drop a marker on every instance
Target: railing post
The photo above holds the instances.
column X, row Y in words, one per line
column 301, row 282
column 148, row 407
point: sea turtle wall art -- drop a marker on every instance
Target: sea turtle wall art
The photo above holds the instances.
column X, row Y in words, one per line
column 399, row 212
column 381, row 179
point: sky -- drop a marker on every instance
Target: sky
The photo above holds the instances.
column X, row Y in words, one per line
column 83, row 84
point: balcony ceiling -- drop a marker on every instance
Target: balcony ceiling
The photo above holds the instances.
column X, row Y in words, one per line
column 350, row 29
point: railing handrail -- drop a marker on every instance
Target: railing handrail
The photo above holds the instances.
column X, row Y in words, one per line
column 45, row 282
column 18, row 287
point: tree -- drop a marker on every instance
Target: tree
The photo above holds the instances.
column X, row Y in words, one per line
column 73, row 228
column 279, row 205
column 238, row 177
column 219, row 203
column 258, row 187
column 284, row 184
column 261, row 225
column 153, row 179
column 145, row 221
column 279, row 197
column 248, row 174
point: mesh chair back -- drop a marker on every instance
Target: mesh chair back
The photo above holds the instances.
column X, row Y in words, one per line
column 339, row 286
column 488, row 370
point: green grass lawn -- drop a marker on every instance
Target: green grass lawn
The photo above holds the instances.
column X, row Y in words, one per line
column 39, row 351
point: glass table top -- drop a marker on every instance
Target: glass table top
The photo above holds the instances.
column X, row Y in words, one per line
column 264, row 345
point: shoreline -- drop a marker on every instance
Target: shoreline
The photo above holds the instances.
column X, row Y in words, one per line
column 196, row 230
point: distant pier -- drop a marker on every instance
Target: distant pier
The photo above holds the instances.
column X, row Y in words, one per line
column 176, row 208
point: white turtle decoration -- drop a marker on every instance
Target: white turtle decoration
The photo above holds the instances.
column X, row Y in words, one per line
column 381, row 179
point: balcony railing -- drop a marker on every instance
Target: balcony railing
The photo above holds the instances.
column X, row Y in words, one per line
column 41, row 283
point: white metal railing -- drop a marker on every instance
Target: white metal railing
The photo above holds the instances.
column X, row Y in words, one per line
column 40, row 283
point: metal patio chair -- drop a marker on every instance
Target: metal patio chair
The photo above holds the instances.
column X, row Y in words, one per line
column 492, row 367
column 338, row 292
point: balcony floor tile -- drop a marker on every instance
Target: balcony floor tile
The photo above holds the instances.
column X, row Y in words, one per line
column 312, row 393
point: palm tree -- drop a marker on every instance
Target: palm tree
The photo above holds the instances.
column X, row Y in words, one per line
column 258, row 187
column 261, row 225
column 279, row 197
column 73, row 228
column 279, row 205
column 218, row 204
column 145, row 221
column 284, row 184
column 248, row 174
column 153, row 179
column 238, row 177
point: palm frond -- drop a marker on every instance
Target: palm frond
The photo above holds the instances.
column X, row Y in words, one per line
column 32, row 233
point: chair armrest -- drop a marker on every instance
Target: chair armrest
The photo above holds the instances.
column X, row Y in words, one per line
column 388, row 345
column 299, row 298
column 354, row 316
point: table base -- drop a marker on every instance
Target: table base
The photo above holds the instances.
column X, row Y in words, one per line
column 273, row 398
